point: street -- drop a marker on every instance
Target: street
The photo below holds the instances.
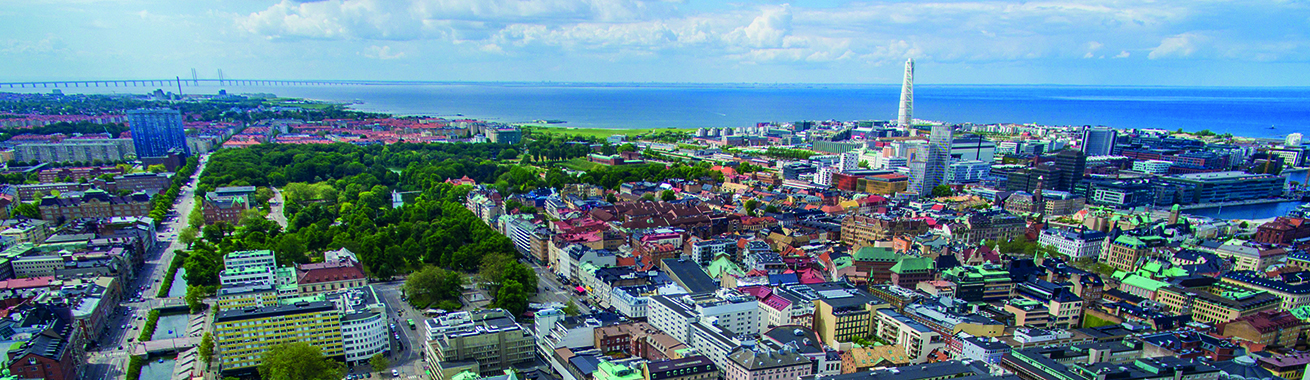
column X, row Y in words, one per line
column 108, row 361
column 409, row 360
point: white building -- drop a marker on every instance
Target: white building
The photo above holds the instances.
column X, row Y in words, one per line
column 917, row 339
column 247, row 275
column 364, row 323
column 968, row 171
column 630, row 301
column 242, row 259
column 1152, row 166
column 1075, row 244
column 731, row 309
column 849, row 161
column 823, row 176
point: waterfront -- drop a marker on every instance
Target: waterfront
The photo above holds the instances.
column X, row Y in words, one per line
column 1248, row 212
column 1248, row 112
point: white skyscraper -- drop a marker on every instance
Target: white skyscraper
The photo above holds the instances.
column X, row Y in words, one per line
column 1293, row 139
column 906, row 114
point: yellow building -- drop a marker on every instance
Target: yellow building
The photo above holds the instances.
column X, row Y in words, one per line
column 1124, row 252
column 243, row 335
column 1217, row 304
column 845, row 314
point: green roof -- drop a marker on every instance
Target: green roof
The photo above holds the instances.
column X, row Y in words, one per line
column 613, row 371
column 912, row 264
column 875, row 254
column 1302, row 313
column 842, row 262
column 1144, row 283
column 721, row 266
column 1130, row 241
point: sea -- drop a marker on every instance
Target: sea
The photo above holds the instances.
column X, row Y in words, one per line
column 1260, row 112
column 1264, row 112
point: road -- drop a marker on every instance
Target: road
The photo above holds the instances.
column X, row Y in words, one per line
column 406, row 353
column 108, row 361
column 275, row 212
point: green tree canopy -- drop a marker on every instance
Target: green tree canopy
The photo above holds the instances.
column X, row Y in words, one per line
column 379, row 362
column 299, row 361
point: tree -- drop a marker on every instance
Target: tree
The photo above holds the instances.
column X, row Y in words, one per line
column 771, row 209
column 648, row 197
column 206, row 347
column 863, row 164
column 668, row 195
column 187, row 236
column 627, row 148
column 1244, row 224
column 508, row 154
column 751, row 205
column 433, row 285
column 571, row 309
column 611, row 198
column 157, row 168
column 291, row 249
column 512, row 297
column 195, row 298
column 196, row 218
column 28, row 209
column 942, row 191
column 299, row 361
column 126, row 168
column 379, row 362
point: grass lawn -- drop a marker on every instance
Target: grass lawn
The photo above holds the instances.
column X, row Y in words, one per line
column 292, row 102
column 1092, row 321
column 580, row 163
column 590, row 132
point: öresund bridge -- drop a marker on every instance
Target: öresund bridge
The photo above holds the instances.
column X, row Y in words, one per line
column 178, row 82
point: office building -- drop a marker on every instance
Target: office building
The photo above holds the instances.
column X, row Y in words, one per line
column 732, row 310
column 1153, row 166
column 485, row 341
column 364, row 324
column 905, row 114
column 1099, row 141
column 1227, row 186
column 968, row 171
column 1074, row 244
column 158, row 132
column 973, row 147
column 1071, row 163
column 929, row 169
column 843, row 314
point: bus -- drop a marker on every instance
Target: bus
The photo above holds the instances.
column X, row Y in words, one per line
column 411, row 324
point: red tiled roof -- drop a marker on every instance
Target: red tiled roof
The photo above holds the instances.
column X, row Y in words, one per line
column 329, row 272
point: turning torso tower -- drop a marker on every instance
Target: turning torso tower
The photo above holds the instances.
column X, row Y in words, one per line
column 906, row 114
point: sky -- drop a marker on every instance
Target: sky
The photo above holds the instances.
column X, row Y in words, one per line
column 1093, row 42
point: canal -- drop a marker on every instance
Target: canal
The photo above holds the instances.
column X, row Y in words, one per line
column 171, row 326
column 178, row 289
column 156, row 370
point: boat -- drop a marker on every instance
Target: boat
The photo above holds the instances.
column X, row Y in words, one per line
column 1272, row 127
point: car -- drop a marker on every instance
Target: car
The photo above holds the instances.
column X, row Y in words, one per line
column 395, row 373
column 124, row 327
column 120, row 347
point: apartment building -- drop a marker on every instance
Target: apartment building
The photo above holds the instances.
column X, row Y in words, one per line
column 1074, row 244
column 94, row 203
column 731, row 309
column 764, row 363
column 242, row 336
column 844, row 314
column 917, row 339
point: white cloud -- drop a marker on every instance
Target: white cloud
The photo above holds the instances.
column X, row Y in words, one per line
column 1122, row 54
column 382, row 52
column 1180, row 45
column 876, row 32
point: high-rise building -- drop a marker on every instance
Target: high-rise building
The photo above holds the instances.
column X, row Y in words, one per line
column 1099, row 141
column 157, row 132
column 1071, row 163
column 1293, row 139
column 906, row 114
column 929, row 168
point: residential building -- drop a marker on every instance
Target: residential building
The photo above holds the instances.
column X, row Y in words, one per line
column 72, row 150
column 340, row 271
column 1270, row 328
column 731, row 309
column 364, row 324
column 94, row 203
column 158, row 132
column 242, row 336
column 1220, row 303
column 763, row 363
column 917, row 339
column 1292, row 288
column 984, row 349
column 843, row 314
column 688, row 368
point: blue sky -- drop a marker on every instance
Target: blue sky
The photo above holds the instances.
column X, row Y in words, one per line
column 1162, row 42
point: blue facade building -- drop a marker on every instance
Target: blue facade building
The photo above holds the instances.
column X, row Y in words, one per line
column 158, row 132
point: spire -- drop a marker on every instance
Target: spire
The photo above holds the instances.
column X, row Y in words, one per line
column 906, row 114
